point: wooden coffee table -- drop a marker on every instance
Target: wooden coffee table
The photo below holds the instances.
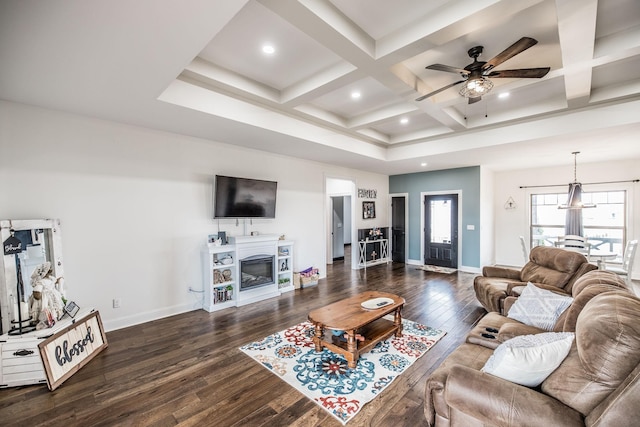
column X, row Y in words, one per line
column 364, row 327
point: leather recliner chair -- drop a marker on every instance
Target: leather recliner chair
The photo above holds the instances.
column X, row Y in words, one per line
column 597, row 384
column 548, row 267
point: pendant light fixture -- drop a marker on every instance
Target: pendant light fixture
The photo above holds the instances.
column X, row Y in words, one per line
column 574, row 198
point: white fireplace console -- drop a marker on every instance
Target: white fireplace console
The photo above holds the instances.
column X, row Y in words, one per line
column 267, row 263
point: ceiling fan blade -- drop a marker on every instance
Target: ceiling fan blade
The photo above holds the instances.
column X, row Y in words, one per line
column 523, row 73
column 439, row 90
column 516, row 48
column 474, row 100
column 447, row 68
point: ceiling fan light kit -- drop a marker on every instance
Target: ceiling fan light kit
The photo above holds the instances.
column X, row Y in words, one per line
column 476, row 75
column 475, row 88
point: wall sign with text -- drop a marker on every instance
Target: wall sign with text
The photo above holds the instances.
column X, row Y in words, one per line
column 64, row 353
column 363, row 193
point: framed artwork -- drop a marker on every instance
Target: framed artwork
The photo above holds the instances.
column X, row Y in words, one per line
column 368, row 210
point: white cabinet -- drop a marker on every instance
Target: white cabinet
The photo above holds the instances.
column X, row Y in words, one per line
column 222, row 280
column 220, row 277
column 285, row 265
column 20, row 361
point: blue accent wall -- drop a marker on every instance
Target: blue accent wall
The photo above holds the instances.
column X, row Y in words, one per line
column 466, row 180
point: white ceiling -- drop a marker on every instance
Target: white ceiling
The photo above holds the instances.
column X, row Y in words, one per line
column 196, row 67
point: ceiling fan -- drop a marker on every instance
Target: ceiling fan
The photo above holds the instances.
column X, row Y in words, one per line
column 475, row 75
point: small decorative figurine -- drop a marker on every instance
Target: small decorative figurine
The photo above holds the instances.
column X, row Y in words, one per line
column 46, row 304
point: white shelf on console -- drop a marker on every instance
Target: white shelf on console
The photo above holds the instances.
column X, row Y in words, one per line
column 285, row 265
column 220, row 275
column 222, row 287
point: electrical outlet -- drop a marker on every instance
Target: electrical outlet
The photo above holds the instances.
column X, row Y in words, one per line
column 117, row 302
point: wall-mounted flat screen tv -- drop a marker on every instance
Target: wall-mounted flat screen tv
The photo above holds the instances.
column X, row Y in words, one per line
column 244, row 198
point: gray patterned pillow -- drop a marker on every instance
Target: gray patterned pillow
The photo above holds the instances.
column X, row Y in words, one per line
column 539, row 307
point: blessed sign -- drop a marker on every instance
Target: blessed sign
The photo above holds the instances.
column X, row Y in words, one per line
column 65, row 352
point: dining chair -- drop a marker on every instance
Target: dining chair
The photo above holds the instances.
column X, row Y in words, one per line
column 525, row 249
column 574, row 243
column 625, row 268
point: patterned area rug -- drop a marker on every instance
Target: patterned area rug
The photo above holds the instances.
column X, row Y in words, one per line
column 325, row 377
column 438, row 269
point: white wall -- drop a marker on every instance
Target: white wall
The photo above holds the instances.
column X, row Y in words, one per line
column 487, row 217
column 135, row 205
column 510, row 224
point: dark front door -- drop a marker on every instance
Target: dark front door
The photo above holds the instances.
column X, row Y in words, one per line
column 441, row 230
column 398, row 229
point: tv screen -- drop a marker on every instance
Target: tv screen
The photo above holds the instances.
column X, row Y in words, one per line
column 244, row 198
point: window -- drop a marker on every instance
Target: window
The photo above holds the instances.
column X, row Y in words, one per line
column 604, row 225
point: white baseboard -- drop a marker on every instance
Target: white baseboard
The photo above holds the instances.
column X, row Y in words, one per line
column 135, row 319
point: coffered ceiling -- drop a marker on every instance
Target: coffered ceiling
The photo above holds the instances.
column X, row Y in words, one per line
column 198, row 68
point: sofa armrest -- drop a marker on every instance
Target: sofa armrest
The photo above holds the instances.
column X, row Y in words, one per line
column 507, row 273
column 512, row 330
column 498, row 402
column 552, row 288
column 515, row 288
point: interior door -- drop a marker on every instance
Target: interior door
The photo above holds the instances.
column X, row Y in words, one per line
column 441, row 230
column 337, row 230
column 398, row 228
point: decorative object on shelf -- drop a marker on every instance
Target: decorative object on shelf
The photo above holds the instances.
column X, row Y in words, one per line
column 226, row 273
column 367, row 194
column 218, row 277
column 375, row 233
column 71, row 309
column 227, row 259
column 222, row 235
column 46, row 304
column 284, row 282
column 510, row 204
column 368, row 210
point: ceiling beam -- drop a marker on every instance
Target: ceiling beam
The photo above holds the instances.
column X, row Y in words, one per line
column 577, row 31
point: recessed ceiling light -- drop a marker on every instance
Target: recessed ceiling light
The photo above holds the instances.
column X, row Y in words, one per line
column 404, row 120
column 423, row 164
column 268, row 49
column 503, row 95
column 355, row 95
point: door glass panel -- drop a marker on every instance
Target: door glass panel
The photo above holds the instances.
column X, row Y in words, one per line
column 440, row 221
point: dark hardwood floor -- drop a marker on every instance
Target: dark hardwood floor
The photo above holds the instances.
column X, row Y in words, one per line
column 187, row 369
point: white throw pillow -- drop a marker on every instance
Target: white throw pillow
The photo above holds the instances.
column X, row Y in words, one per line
column 529, row 359
column 539, row 307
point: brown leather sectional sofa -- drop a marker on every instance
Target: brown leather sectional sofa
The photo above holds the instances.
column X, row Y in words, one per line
column 548, row 267
column 597, row 384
